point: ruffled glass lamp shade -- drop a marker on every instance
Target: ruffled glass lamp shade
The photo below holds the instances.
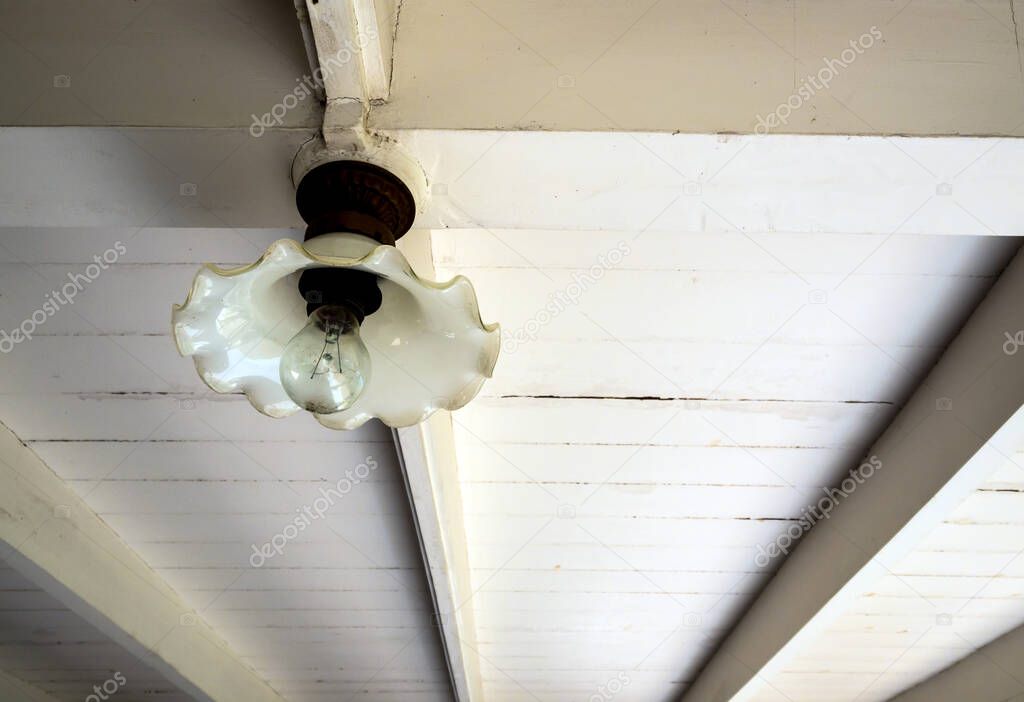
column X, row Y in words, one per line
column 426, row 346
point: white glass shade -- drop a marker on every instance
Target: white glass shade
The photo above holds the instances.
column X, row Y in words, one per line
column 428, row 348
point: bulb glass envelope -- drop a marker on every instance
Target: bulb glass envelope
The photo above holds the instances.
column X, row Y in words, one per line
column 428, row 346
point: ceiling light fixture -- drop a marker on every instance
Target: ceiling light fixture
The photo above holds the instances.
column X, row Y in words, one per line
column 339, row 325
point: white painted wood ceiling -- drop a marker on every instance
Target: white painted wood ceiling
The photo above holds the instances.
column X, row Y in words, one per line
column 45, row 644
column 652, row 421
column 618, row 472
column 639, row 442
column 960, row 589
column 150, row 63
column 194, row 481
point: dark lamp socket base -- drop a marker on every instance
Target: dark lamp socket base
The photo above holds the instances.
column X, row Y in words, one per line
column 354, row 289
column 357, row 197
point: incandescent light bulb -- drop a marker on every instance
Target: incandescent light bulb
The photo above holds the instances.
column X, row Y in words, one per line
column 325, row 367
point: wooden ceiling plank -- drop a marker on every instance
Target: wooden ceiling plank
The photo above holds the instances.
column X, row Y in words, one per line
column 958, row 427
column 55, row 540
column 15, row 690
column 990, row 674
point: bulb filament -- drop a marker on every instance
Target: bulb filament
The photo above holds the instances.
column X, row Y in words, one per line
column 332, row 333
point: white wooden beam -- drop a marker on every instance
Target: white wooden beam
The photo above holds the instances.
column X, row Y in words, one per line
column 171, row 65
column 927, row 67
column 426, row 453
column 672, row 183
column 990, row 674
column 632, row 182
column 14, row 690
column 334, row 28
column 53, row 538
column 108, row 177
column 376, row 24
column 959, row 425
column 354, row 43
